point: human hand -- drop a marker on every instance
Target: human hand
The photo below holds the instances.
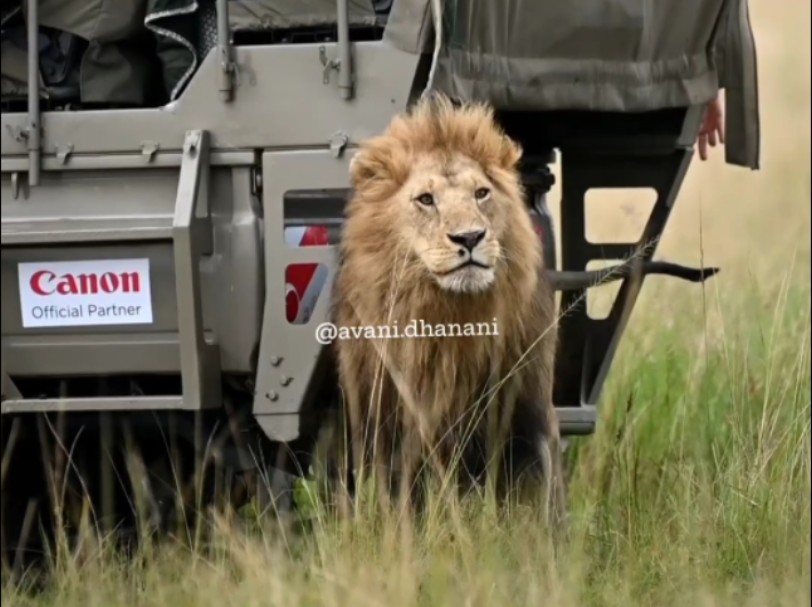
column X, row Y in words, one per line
column 712, row 129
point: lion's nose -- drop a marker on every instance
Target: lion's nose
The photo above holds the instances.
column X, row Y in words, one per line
column 467, row 239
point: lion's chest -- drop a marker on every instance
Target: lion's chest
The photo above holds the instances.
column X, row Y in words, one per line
column 448, row 375
column 447, row 358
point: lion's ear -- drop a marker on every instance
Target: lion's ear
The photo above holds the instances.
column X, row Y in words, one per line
column 379, row 161
column 366, row 166
column 511, row 154
column 357, row 168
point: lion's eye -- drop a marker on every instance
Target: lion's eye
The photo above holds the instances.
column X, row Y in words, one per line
column 482, row 193
column 426, row 199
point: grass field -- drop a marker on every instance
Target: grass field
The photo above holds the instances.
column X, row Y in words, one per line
column 695, row 489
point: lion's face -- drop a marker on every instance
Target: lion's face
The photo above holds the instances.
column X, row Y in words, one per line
column 452, row 218
column 440, row 189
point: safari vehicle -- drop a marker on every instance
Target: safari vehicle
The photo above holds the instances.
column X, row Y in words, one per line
column 166, row 163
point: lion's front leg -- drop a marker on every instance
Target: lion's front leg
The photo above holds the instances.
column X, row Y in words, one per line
column 359, row 434
column 554, row 480
column 344, row 448
column 535, row 459
column 367, row 408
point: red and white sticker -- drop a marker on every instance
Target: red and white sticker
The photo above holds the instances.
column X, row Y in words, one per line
column 304, row 281
column 81, row 293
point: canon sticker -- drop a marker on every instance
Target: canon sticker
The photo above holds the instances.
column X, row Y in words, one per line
column 76, row 293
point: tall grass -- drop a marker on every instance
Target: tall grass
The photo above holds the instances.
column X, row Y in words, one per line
column 695, row 490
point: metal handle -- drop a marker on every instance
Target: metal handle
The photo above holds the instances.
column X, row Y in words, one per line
column 224, row 52
column 33, row 135
column 345, row 81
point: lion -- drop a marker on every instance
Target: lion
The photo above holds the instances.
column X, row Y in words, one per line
column 437, row 230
